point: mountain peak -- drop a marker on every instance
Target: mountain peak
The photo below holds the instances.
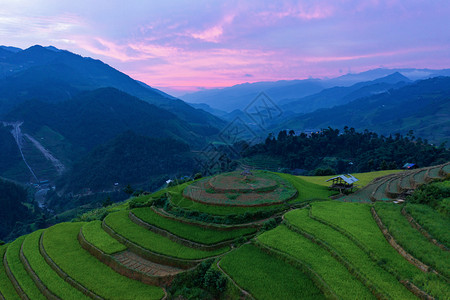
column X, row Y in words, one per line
column 393, row 78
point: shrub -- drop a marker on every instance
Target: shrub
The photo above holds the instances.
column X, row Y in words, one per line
column 324, row 172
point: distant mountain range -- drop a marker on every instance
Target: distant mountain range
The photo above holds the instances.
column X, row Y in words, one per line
column 340, row 95
column 422, row 106
column 239, row 96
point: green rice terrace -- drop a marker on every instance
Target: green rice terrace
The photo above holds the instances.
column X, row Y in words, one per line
column 248, row 235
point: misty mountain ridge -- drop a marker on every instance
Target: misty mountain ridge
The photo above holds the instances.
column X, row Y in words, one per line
column 239, row 96
column 422, row 106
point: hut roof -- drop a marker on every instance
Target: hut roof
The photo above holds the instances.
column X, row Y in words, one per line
column 350, row 179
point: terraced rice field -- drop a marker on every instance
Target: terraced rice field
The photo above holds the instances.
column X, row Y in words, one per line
column 19, row 272
column 363, row 178
column 6, row 288
column 446, row 169
column 391, row 187
column 356, row 220
column 331, row 250
column 149, row 240
column 338, row 278
column 405, row 183
column 267, row 277
column 234, row 189
column 95, row 235
column 61, row 244
column 420, row 176
column 411, row 239
column 58, row 286
column 362, row 195
column 384, row 282
column 435, row 223
column 177, row 199
column 434, row 172
column 394, row 186
column 191, row 232
column 380, row 191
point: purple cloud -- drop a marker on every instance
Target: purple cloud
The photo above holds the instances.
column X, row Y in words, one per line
column 189, row 44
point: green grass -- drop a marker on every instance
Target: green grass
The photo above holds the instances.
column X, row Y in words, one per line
column 268, row 277
column 46, row 274
column 364, row 178
column 332, row 272
column 6, row 288
column 306, row 190
column 190, row 232
column 411, row 239
column 356, row 219
column 385, row 281
column 120, row 223
column 61, row 244
column 94, row 234
column 19, row 272
column 432, row 221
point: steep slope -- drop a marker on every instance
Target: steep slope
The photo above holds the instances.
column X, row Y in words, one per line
column 92, row 118
column 129, row 159
column 50, row 74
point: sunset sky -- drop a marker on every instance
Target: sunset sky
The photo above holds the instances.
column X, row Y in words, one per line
column 184, row 46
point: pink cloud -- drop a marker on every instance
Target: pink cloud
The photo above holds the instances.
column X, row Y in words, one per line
column 213, row 34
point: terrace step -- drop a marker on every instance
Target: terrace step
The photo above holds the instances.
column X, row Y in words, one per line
column 405, row 183
column 394, row 187
column 419, row 178
column 445, row 170
column 137, row 263
column 379, row 194
column 433, row 173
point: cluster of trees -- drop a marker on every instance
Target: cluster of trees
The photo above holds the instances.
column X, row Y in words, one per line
column 129, row 159
column 435, row 195
column 203, row 282
column 348, row 150
column 16, row 218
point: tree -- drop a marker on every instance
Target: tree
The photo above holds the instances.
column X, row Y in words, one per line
column 128, row 190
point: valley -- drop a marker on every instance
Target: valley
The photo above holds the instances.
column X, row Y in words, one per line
column 125, row 192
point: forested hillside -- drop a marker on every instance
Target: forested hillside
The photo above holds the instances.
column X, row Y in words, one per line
column 348, row 150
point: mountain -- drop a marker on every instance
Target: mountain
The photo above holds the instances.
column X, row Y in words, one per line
column 423, row 107
column 54, row 75
column 340, row 95
column 55, row 135
column 241, row 95
column 132, row 159
column 18, row 210
column 94, row 117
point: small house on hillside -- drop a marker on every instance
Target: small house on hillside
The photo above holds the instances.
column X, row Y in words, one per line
column 342, row 182
column 410, row 166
